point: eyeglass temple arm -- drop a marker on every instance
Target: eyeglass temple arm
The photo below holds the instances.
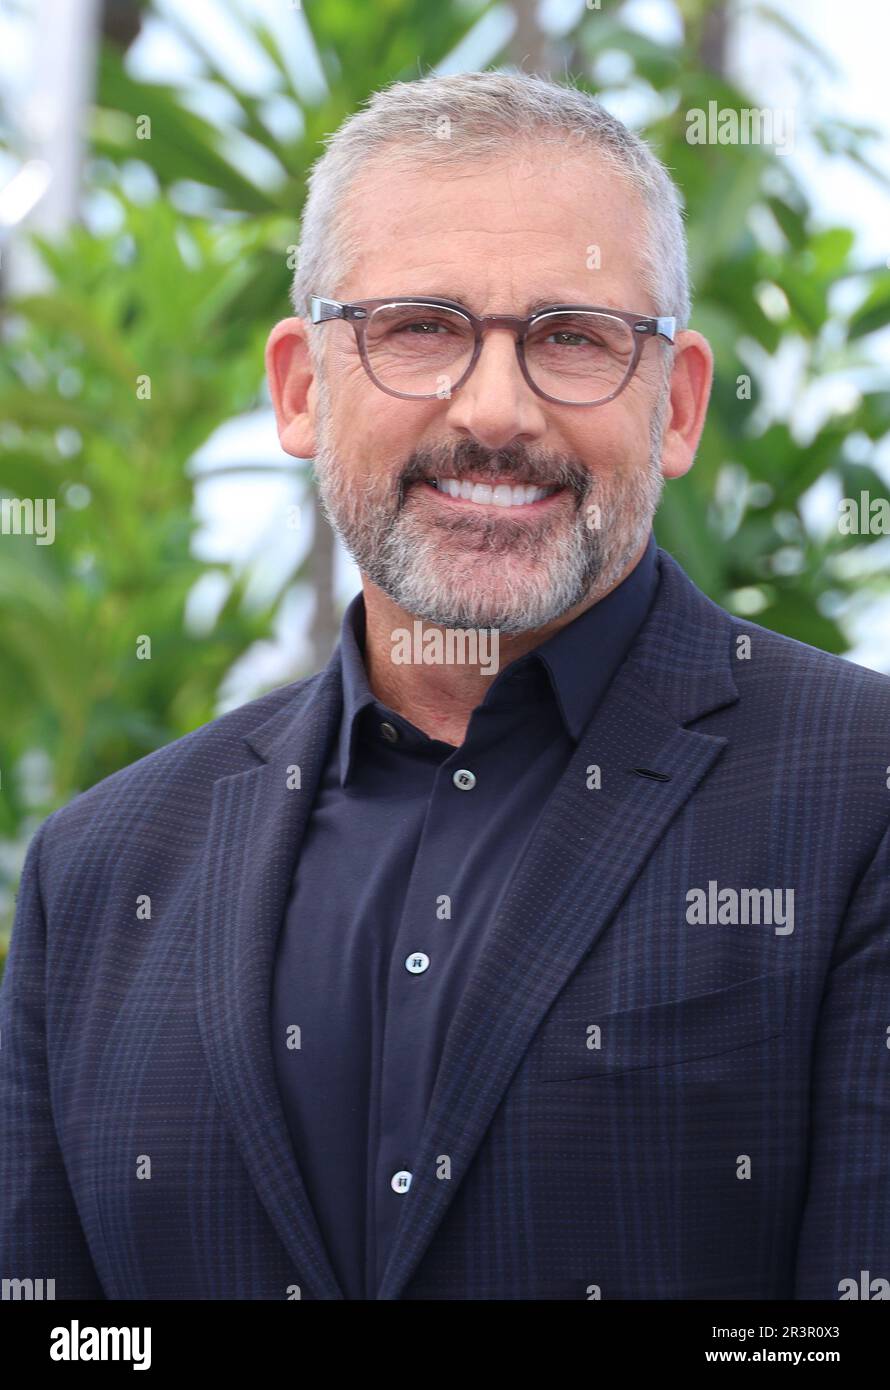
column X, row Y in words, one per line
column 323, row 309
column 658, row 328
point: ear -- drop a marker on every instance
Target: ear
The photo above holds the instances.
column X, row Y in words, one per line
column 690, row 391
column 292, row 386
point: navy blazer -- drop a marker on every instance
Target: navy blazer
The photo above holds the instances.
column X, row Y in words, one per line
column 632, row 1103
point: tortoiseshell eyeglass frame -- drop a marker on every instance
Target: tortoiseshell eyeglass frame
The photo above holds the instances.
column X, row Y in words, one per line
column 358, row 312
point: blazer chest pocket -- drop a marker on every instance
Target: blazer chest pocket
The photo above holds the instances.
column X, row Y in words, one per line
column 573, row 1047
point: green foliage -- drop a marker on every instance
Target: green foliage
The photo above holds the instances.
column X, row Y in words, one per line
column 186, row 301
column 146, row 307
column 765, row 278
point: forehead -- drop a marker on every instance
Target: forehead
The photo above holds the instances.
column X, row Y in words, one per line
column 505, row 235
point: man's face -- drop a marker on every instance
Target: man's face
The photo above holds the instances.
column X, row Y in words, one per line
column 495, row 238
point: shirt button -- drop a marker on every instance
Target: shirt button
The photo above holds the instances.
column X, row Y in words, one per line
column 417, row 963
column 389, row 732
column 464, row 780
column 400, row 1181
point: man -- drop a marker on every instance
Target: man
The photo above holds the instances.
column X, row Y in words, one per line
column 538, row 947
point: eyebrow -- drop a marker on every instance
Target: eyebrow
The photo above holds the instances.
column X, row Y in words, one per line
column 534, row 306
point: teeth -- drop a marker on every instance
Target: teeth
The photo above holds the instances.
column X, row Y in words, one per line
column 501, row 495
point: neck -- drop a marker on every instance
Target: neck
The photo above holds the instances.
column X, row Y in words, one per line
column 440, row 698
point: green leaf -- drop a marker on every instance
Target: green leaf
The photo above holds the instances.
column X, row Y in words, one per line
column 874, row 313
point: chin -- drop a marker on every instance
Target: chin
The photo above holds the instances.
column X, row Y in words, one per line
column 515, row 588
column 510, row 608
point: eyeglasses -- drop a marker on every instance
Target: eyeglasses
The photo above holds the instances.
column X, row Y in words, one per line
column 418, row 348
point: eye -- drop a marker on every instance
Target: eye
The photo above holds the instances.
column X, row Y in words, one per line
column 423, row 327
column 565, row 333
column 573, row 338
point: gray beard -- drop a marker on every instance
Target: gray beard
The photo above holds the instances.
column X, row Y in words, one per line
column 403, row 555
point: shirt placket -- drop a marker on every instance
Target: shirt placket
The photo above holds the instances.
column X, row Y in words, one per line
column 423, row 954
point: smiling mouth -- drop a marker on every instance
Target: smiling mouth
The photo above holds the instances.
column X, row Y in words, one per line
column 491, row 494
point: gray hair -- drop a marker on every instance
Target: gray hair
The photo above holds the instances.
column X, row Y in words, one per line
column 436, row 122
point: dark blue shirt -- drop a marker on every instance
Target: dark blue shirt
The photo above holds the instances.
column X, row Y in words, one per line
column 398, row 879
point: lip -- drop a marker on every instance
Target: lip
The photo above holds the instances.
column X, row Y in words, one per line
column 491, row 508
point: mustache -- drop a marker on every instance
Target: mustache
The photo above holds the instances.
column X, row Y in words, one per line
column 513, row 462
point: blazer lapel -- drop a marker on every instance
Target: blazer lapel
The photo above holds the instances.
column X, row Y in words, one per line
column 585, row 853
column 256, row 826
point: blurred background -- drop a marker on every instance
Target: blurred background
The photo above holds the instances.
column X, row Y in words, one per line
column 153, row 156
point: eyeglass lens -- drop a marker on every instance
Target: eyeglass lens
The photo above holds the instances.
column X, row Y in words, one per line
column 424, row 350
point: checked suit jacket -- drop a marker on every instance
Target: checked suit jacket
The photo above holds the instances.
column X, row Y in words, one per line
column 635, row 1105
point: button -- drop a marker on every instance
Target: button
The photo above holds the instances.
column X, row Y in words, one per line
column 417, row 962
column 400, row 1181
column 389, row 732
column 464, row 780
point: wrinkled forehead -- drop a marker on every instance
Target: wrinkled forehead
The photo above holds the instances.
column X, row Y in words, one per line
column 496, row 234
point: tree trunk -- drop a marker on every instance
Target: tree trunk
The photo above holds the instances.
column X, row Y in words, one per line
column 121, row 21
column 529, row 48
column 714, row 46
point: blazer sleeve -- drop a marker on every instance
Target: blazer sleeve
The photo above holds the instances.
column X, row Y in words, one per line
column 40, row 1231
column 845, row 1230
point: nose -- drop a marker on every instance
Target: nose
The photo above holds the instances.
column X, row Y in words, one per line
column 496, row 405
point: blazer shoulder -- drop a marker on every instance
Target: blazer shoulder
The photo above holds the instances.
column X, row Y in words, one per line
column 787, row 687
column 786, row 655
column 189, row 765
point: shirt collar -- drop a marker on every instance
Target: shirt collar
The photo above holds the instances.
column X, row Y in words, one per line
column 579, row 660
column 356, row 691
column 583, row 656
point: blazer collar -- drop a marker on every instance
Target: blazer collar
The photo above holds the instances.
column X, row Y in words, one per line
column 681, row 653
